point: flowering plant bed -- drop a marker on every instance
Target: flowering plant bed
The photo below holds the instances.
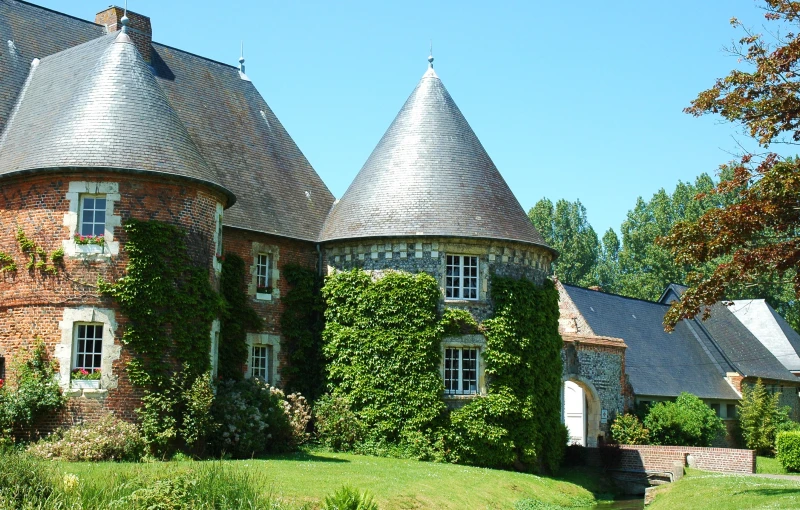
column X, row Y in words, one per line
column 81, row 374
column 98, row 240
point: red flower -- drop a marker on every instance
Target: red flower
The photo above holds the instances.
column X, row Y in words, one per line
column 2, row 382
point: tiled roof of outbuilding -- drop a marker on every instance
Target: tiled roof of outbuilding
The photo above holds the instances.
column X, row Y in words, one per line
column 98, row 105
column 430, row 176
column 658, row 363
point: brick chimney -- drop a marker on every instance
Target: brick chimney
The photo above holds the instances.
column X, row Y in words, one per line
column 139, row 28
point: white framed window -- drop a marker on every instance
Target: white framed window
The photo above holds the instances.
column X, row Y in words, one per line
column 91, row 220
column 92, row 216
column 261, row 362
column 263, row 274
column 263, row 353
column 460, row 371
column 461, row 277
column 88, row 347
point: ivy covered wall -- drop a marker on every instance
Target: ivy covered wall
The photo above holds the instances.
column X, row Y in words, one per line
column 382, row 342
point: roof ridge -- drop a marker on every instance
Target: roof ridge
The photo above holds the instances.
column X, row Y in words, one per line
column 37, row 6
column 613, row 294
column 154, row 43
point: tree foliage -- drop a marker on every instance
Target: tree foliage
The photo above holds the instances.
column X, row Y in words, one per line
column 566, row 228
column 759, row 231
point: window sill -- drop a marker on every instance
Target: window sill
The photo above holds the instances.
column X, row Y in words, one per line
column 456, row 396
column 263, row 297
column 82, row 384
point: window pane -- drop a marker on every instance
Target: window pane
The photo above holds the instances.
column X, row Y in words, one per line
column 88, row 203
column 100, row 203
column 100, row 216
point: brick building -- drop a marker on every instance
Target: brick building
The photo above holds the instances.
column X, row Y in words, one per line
column 99, row 123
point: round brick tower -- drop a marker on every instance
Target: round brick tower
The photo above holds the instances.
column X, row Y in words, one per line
column 92, row 141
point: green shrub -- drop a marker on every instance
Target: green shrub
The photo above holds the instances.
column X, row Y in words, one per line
column 107, row 439
column 25, row 482
column 337, row 425
column 627, row 429
column 32, row 393
column 761, row 418
column 177, row 415
column 475, row 436
column 686, row 422
column 787, row 450
column 348, row 498
column 255, row 418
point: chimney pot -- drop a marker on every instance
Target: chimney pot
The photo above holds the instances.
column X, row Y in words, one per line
column 139, row 29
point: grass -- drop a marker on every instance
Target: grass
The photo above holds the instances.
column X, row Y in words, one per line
column 307, row 477
column 771, row 466
column 712, row 491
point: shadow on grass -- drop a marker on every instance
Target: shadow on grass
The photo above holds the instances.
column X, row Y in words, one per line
column 767, row 492
column 304, row 457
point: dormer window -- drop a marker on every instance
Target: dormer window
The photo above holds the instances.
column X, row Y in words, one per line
column 461, row 277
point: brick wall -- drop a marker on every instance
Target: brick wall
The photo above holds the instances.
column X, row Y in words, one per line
column 661, row 458
column 286, row 251
column 33, row 302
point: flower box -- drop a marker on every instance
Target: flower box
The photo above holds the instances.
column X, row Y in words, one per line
column 85, row 383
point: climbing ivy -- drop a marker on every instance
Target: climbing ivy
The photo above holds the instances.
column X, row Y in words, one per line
column 382, row 342
column 302, row 322
column 32, row 250
column 237, row 319
column 520, row 423
column 7, row 263
column 170, row 305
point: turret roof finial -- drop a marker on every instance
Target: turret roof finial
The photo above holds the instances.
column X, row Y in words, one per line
column 241, row 56
column 124, row 20
column 430, row 56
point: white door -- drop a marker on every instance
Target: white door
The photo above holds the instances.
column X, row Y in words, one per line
column 575, row 413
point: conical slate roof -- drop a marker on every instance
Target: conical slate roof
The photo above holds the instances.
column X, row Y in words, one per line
column 98, row 105
column 429, row 176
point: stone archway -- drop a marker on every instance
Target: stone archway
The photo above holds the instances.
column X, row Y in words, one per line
column 581, row 411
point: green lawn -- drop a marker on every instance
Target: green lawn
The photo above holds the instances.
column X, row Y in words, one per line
column 770, row 465
column 309, row 476
column 713, row 491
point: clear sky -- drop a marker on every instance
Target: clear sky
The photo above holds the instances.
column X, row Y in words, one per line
column 575, row 100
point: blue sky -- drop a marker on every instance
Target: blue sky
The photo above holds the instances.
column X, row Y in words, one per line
column 574, row 100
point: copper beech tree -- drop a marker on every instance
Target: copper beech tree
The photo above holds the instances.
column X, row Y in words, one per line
column 757, row 237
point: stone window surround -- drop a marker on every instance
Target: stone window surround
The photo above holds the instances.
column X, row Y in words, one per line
column 273, row 341
column 72, row 218
column 217, row 262
column 476, row 341
column 274, row 255
column 65, row 349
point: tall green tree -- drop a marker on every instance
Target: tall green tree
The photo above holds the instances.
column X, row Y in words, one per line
column 645, row 267
column 566, row 228
column 606, row 270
